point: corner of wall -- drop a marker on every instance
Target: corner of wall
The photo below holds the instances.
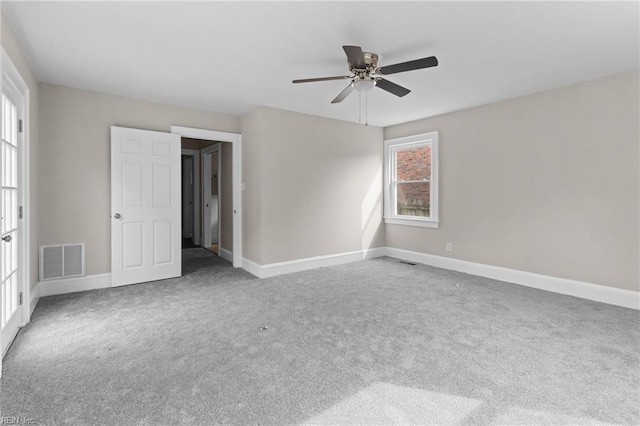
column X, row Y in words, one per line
column 251, row 128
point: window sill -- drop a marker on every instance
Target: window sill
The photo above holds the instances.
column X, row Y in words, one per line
column 423, row 223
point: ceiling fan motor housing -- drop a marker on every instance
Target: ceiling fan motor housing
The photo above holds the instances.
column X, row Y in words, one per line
column 371, row 64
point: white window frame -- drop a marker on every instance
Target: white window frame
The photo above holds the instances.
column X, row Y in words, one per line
column 392, row 145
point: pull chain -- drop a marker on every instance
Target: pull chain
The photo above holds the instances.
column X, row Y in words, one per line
column 366, row 108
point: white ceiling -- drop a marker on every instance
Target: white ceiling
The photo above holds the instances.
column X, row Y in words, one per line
column 231, row 57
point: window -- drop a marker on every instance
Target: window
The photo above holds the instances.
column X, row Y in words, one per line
column 411, row 180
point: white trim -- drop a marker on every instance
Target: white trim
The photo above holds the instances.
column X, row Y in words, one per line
column 236, row 141
column 390, row 145
column 279, row 268
column 225, row 254
column 252, row 267
column 596, row 292
column 72, row 285
column 35, row 298
column 205, row 134
column 195, row 153
column 13, row 337
column 425, row 223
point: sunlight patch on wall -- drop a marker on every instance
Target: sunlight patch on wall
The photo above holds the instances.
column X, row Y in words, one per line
column 371, row 211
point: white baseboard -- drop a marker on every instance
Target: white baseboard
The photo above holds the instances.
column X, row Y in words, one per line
column 225, row 254
column 597, row 292
column 72, row 285
column 35, row 297
column 251, row 267
column 273, row 269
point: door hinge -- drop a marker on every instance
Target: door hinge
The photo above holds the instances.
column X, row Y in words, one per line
column 20, row 125
column 20, row 212
column 20, row 299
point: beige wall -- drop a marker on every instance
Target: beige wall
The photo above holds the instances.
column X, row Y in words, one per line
column 316, row 182
column 546, row 183
column 251, row 178
column 74, row 165
column 15, row 54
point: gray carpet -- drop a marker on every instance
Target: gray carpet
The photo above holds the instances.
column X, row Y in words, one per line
column 372, row 342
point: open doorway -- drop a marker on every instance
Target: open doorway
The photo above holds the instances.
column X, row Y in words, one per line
column 207, row 201
column 231, row 211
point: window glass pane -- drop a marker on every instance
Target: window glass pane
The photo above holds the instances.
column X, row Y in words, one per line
column 413, row 199
column 413, row 163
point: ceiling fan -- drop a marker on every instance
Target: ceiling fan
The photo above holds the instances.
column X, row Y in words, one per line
column 366, row 74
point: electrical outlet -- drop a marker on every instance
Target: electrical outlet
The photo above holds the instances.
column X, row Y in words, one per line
column 449, row 247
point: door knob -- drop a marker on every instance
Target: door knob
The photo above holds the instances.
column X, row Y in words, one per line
column 6, row 238
column 117, row 216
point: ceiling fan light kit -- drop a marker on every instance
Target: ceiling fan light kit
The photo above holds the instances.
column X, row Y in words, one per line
column 364, row 85
column 366, row 74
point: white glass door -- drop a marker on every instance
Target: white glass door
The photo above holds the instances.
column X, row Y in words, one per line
column 9, row 160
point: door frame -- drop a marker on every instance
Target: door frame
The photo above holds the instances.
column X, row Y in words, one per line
column 236, row 141
column 206, row 178
column 12, row 78
column 195, row 153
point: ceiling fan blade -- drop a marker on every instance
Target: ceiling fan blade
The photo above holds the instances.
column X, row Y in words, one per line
column 344, row 93
column 311, row 80
column 355, row 56
column 431, row 61
column 392, row 87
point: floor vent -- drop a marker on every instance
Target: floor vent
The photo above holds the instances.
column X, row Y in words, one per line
column 61, row 261
column 406, row 262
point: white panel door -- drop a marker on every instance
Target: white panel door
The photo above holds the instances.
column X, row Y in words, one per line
column 10, row 222
column 145, row 206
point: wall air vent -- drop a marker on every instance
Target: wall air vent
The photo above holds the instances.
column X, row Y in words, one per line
column 61, row 261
